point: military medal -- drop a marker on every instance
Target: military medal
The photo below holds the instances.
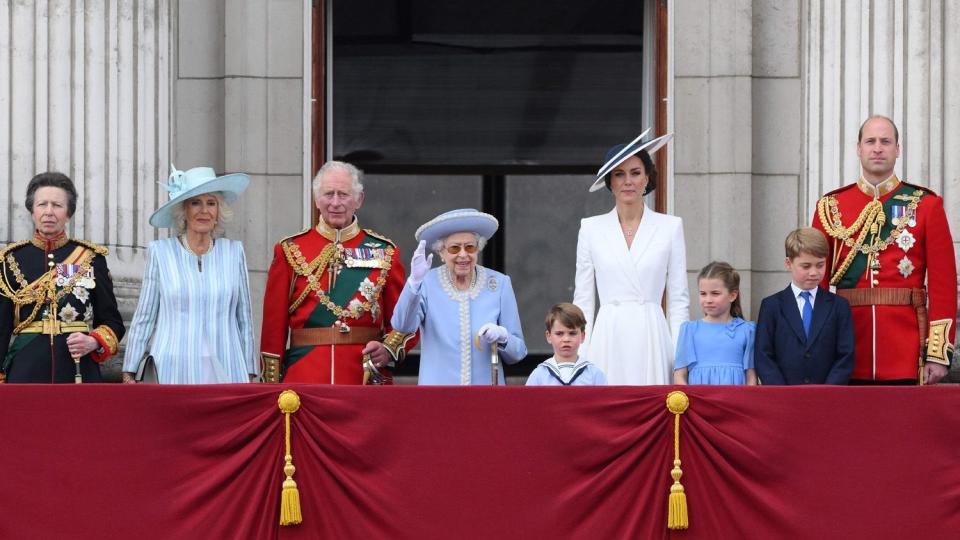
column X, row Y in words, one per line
column 906, row 240
column 905, row 266
column 65, row 272
column 81, row 293
column 896, row 214
column 365, row 257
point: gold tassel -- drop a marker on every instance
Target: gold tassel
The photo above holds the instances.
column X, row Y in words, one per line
column 677, row 403
column 289, row 403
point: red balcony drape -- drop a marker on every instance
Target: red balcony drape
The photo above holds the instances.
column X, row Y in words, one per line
column 124, row 461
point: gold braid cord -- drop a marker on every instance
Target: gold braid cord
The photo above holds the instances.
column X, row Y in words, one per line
column 37, row 292
column 313, row 272
column 677, row 518
column 870, row 221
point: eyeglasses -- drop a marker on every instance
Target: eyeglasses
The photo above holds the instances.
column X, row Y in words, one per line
column 455, row 248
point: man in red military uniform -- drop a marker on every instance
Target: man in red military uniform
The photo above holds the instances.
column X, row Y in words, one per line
column 887, row 239
column 332, row 289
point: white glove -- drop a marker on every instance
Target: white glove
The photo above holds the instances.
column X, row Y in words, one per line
column 491, row 333
column 420, row 264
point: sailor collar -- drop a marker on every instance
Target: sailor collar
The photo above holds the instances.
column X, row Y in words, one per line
column 45, row 244
column 339, row 235
column 554, row 367
column 880, row 189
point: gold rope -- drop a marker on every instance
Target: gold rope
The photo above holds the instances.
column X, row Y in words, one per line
column 677, row 403
column 289, row 402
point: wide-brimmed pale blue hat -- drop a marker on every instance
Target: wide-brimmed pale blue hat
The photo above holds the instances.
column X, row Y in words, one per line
column 622, row 152
column 454, row 221
column 184, row 185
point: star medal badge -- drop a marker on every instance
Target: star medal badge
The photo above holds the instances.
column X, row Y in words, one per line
column 906, row 240
column 905, row 266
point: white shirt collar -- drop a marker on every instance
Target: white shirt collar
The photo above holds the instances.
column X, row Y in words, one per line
column 798, row 290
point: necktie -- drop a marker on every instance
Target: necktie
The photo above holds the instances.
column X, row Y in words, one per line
column 807, row 312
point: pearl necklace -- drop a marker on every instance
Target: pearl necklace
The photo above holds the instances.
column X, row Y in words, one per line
column 186, row 244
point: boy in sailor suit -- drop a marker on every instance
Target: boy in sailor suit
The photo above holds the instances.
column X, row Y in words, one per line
column 566, row 328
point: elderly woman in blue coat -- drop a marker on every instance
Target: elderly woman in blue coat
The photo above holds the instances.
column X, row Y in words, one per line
column 459, row 304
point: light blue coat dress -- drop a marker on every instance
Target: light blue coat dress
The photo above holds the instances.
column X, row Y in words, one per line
column 716, row 353
column 449, row 319
column 200, row 322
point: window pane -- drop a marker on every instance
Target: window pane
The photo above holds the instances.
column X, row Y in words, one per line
column 452, row 82
column 396, row 205
column 544, row 214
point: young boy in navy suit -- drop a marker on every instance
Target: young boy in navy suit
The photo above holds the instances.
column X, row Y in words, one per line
column 804, row 333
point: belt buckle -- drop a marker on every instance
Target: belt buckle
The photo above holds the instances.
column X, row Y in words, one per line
column 51, row 327
column 342, row 327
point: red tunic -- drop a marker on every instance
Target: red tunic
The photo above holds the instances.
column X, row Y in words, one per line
column 366, row 276
column 910, row 250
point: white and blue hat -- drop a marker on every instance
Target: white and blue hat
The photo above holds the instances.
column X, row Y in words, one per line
column 622, row 152
column 184, row 185
column 454, row 221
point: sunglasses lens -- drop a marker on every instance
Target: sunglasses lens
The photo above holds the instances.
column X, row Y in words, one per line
column 454, row 249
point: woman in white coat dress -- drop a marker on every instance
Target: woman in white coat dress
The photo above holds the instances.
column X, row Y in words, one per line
column 629, row 256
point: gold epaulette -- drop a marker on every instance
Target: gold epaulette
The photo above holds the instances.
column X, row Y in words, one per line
column 924, row 189
column 97, row 248
column 839, row 189
column 379, row 236
column 294, row 235
column 12, row 247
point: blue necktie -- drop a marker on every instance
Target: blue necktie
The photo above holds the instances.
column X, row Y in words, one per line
column 807, row 312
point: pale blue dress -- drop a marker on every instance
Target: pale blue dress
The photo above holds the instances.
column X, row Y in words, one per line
column 449, row 320
column 200, row 322
column 716, row 353
column 580, row 373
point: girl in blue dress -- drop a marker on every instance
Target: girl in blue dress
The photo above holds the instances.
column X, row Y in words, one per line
column 717, row 349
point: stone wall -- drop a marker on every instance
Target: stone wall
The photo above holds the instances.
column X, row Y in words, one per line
column 240, row 107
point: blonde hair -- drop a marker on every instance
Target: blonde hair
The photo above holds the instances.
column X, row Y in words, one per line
column 806, row 240
column 224, row 214
column 730, row 278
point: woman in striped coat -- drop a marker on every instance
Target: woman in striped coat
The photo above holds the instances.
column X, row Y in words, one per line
column 194, row 316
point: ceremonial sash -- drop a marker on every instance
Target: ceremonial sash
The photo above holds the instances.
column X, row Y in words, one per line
column 20, row 342
column 348, row 283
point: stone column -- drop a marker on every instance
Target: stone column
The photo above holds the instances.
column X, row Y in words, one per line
column 713, row 122
column 85, row 90
column 240, row 108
